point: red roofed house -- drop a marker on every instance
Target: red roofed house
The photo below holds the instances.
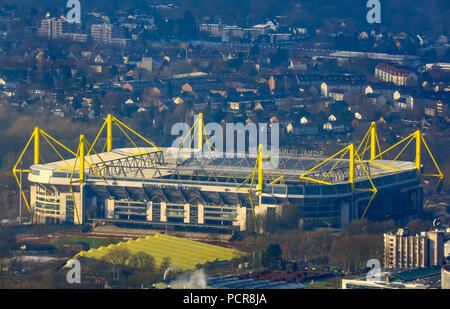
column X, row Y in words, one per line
column 390, row 74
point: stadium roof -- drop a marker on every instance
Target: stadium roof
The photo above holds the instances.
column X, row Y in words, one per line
column 216, row 166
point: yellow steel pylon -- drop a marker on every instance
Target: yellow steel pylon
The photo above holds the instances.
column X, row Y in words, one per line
column 258, row 169
column 110, row 120
column 353, row 159
column 416, row 136
column 197, row 131
column 35, row 137
column 370, row 141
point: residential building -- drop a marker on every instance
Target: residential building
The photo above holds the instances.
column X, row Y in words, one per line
column 146, row 63
column 402, row 250
column 391, row 74
column 438, row 66
column 108, row 34
column 445, row 277
column 376, row 99
column 337, row 94
column 212, row 29
column 298, row 64
column 405, row 103
column 53, row 28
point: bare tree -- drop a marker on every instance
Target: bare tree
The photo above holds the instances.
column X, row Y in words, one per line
column 118, row 256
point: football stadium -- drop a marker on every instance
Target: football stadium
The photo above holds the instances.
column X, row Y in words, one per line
column 147, row 186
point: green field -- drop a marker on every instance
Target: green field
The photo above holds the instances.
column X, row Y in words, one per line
column 94, row 242
column 184, row 254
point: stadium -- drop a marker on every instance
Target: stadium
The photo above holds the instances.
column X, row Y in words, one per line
column 149, row 187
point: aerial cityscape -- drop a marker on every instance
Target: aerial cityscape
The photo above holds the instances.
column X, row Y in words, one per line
column 224, row 145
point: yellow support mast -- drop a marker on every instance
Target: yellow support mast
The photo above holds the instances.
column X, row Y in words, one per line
column 108, row 123
column 260, row 169
column 109, row 133
column 418, row 136
column 200, row 129
column 81, row 166
column 354, row 159
column 351, row 170
column 36, row 145
column 373, row 134
column 35, row 138
column 370, row 140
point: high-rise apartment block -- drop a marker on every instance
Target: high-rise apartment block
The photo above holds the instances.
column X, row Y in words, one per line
column 402, row 250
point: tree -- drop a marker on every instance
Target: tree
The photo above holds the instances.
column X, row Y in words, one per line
column 118, row 256
column 418, row 225
column 351, row 253
column 289, row 217
column 363, row 227
column 285, row 106
column 142, row 261
column 254, row 51
column 165, row 264
column 247, row 68
column 188, row 26
column 76, row 103
column 272, row 256
column 47, row 80
column 430, row 56
column 96, row 106
column 446, row 55
column 113, row 71
column 7, row 241
column 319, row 245
column 279, row 58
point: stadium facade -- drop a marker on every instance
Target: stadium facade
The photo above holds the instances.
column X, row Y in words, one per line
column 149, row 186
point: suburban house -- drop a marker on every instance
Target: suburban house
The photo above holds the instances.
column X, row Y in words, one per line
column 332, row 118
column 386, row 90
column 337, row 94
column 405, row 103
column 304, row 120
column 334, row 127
column 376, row 99
column 298, row 64
column 352, row 84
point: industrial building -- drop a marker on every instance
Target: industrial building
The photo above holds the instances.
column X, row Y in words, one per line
column 231, row 282
column 151, row 187
column 421, row 278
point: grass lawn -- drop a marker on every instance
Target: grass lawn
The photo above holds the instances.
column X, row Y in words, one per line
column 183, row 253
column 92, row 241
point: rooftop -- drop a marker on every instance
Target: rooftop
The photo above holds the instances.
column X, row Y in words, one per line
column 212, row 166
